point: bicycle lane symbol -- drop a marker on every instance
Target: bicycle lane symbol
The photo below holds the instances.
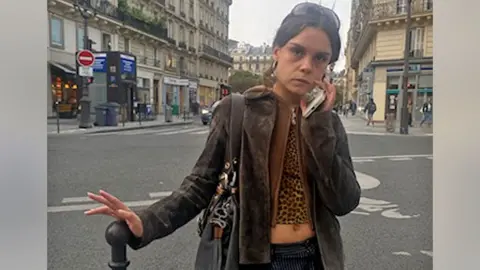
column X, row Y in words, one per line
column 369, row 206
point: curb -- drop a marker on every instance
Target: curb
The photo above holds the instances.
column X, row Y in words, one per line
column 117, row 129
column 141, row 127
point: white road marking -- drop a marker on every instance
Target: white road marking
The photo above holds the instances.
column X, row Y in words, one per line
column 180, row 131
column 360, row 213
column 76, row 200
column 393, row 156
column 428, row 253
column 400, row 159
column 201, row 132
column 83, row 207
column 367, row 181
column 159, row 194
column 363, row 160
column 401, row 253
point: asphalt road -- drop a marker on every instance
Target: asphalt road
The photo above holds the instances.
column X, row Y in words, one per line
column 390, row 230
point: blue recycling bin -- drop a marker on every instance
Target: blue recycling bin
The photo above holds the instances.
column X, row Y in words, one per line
column 112, row 109
column 101, row 115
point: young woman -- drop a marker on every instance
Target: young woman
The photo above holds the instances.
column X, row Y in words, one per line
column 296, row 173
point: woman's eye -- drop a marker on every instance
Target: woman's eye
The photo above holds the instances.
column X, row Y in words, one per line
column 321, row 58
column 297, row 52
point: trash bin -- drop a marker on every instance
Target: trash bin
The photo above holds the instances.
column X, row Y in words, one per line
column 101, row 115
column 112, row 113
column 168, row 113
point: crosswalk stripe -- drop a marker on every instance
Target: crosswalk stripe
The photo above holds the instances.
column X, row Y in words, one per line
column 180, row 131
column 201, row 132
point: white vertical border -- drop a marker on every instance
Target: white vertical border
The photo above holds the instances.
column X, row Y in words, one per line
column 456, row 141
column 23, row 116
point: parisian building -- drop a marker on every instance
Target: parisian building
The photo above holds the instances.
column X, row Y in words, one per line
column 181, row 48
column 375, row 53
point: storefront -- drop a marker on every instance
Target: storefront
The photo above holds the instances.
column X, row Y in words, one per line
column 64, row 90
column 387, row 84
column 194, row 99
column 207, row 92
column 175, row 91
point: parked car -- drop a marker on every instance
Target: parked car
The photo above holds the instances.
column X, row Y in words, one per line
column 206, row 113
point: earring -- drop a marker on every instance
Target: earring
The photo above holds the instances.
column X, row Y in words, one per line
column 274, row 68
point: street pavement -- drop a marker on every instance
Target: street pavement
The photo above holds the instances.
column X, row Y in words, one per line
column 391, row 229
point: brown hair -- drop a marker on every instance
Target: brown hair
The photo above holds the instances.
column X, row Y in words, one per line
column 294, row 25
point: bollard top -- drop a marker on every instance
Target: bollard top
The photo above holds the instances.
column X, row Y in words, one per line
column 117, row 233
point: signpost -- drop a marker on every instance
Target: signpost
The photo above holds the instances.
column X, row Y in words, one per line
column 85, row 60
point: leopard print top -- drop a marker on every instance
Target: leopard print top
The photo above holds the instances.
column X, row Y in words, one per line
column 292, row 205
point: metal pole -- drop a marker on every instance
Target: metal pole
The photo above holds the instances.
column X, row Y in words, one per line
column 85, row 100
column 117, row 235
column 58, row 117
column 406, row 66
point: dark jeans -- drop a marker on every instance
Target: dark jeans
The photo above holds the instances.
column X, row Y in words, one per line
column 296, row 256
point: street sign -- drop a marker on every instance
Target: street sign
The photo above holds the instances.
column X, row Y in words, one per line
column 85, row 58
column 85, row 71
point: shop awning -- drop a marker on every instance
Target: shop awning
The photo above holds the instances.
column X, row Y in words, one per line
column 64, row 67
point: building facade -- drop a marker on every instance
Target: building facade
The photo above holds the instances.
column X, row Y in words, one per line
column 179, row 60
column 375, row 53
column 255, row 59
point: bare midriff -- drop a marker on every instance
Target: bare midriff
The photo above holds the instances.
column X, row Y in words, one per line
column 292, row 217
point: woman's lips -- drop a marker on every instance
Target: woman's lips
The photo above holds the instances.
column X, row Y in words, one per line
column 302, row 81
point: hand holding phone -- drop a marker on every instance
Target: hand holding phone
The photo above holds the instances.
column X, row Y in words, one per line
column 325, row 92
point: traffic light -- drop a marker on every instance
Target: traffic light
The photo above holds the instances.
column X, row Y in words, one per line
column 225, row 90
column 89, row 80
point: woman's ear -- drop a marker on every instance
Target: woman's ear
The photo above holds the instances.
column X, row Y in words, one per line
column 276, row 51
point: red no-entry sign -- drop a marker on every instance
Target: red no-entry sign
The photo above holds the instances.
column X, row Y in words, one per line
column 85, row 58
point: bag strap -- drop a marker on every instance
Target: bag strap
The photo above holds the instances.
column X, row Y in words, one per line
column 236, row 129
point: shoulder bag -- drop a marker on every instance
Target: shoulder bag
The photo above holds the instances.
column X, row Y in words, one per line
column 219, row 223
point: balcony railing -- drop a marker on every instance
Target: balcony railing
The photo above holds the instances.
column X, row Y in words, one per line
column 171, row 7
column 191, row 49
column 391, row 9
column 182, row 45
column 171, row 40
column 220, row 55
column 107, row 9
column 143, row 60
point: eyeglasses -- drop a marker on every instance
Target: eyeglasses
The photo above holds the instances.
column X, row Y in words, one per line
column 310, row 9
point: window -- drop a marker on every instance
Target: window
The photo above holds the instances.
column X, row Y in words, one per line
column 182, row 34
column 171, row 29
column 417, row 36
column 192, row 39
column 182, row 5
column 393, row 82
column 191, row 9
column 428, row 4
column 106, row 42
column 56, row 32
column 126, row 45
column 401, row 6
column 80, row 38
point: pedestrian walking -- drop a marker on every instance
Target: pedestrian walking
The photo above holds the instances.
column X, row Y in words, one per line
column 410, row 112
column 370, row 110
column 294, row 170
column 427, row 110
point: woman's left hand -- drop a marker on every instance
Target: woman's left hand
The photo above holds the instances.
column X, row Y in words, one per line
column 330, row 92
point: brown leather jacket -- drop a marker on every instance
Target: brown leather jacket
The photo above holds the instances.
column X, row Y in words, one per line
column 335, row 190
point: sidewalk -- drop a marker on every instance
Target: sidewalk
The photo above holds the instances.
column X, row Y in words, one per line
column 357, row 125
column 70, row 126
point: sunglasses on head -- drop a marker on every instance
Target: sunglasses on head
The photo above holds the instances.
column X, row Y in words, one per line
column 312, row 9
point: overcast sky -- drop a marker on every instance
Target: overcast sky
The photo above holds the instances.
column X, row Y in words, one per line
column 255, row 21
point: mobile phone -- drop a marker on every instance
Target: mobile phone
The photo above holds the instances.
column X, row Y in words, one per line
column 313, row 100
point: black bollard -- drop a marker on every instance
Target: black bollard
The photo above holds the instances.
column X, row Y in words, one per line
column 117, row 235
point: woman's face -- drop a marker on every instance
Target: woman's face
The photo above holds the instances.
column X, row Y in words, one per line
column 303, row 60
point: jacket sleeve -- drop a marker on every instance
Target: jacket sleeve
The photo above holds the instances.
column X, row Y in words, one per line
column 165, row 216
column 330, row 163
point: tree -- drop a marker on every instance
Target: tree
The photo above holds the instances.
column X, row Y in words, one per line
column 242, row 80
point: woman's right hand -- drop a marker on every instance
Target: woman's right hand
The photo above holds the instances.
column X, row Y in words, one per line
column 115, row 208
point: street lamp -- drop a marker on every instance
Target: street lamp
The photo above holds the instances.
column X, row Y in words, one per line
column 87, row 10
column 406, row 67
